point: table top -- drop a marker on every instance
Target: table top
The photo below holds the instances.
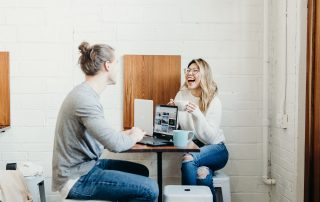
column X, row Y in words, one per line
column 191, row 147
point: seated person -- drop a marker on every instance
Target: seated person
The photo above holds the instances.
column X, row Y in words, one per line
column 82, row 133
column 202, row 114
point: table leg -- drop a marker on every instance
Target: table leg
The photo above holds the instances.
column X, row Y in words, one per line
column 42, row 192
column 159, row 173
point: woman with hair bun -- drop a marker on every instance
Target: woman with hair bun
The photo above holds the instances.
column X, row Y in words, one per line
column 82, row 133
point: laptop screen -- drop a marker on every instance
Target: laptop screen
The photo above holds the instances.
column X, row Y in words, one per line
column 165, row 119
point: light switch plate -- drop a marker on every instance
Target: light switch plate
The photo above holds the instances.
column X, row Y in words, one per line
column 284, row 121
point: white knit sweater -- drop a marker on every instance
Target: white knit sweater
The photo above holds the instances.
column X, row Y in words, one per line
column 206, row 125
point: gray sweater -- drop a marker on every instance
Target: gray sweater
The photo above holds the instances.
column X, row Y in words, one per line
column 81, row 135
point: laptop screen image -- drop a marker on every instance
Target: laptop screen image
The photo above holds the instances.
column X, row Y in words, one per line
column 165, row 120
column 162, row 122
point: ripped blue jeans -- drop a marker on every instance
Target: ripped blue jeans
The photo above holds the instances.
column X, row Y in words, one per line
column 199, row 169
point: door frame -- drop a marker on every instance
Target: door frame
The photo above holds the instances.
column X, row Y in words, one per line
column 312, row 131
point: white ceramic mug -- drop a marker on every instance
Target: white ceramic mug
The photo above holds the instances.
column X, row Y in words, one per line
column 181, row 138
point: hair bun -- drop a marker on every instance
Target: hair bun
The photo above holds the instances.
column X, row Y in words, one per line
column 84, row 48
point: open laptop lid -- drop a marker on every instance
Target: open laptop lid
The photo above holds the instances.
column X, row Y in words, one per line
column 165, row 121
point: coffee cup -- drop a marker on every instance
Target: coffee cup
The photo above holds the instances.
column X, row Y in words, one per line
column 181, row 104
column 181, row 138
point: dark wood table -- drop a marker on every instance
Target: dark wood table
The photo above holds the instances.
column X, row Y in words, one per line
column 191, row 147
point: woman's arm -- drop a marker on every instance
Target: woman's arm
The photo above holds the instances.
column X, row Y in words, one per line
column 208, row 126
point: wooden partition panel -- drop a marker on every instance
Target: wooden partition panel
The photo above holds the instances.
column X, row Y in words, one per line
column 153, row 77
column 4, row 90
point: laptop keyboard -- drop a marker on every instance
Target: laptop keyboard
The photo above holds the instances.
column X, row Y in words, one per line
column 154, row 141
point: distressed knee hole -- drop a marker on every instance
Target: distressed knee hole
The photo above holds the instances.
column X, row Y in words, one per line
column 187, row 158
column 202, row 172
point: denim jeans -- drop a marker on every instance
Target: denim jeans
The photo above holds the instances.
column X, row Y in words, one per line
column 115, row 180
column 214, row 157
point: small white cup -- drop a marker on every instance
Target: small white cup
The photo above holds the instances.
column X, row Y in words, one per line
column 181, row 104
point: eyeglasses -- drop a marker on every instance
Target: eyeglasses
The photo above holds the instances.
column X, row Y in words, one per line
column 192, row 71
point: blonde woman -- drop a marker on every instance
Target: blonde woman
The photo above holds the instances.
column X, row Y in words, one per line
column 200, row 111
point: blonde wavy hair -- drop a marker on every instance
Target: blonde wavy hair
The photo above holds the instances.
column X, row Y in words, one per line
column 208, row 86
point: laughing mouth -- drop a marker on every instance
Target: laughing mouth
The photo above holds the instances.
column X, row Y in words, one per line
column 191, row 81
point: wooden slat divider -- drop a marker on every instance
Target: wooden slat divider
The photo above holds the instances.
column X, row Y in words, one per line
column 4, row 90
column 154, row 77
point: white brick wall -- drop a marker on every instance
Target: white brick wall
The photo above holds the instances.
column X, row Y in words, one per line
column 286, row 150
column 42, row 37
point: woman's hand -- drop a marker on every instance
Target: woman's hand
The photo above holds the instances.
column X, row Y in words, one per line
column 171, row 103
column 192, row 108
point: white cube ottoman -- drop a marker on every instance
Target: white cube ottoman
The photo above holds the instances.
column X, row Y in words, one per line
column 187, row 193
column 223, row 181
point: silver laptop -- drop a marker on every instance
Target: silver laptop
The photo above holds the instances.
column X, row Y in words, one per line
column 164, row 122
